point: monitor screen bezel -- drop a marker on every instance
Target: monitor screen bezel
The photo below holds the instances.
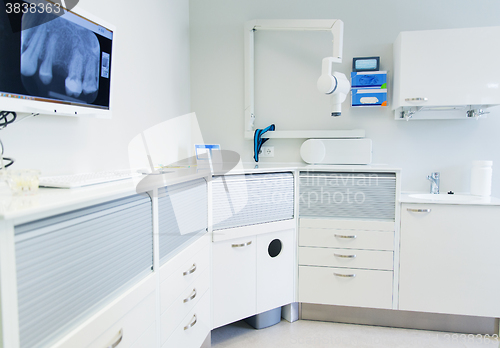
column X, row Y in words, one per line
column 60, row 108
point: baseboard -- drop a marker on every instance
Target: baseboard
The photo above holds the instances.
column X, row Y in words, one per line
column 400, row 319
column 208, row 341
column 290, row 312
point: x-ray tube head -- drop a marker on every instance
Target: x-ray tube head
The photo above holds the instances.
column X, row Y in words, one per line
column 334, row 84
column 338, row 96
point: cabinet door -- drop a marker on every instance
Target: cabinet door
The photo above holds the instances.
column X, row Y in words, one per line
column 275, row 269
column 233, row 280
column 449, row 259
column 444, row 66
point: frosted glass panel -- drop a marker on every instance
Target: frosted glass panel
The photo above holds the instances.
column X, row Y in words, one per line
column 242, row 200
column 69, row 264
column 369, row 196
column 183, row 215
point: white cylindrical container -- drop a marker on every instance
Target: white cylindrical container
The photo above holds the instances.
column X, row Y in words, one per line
column 480, row 181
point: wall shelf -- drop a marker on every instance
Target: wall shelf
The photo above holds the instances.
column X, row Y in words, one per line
column 311, row 134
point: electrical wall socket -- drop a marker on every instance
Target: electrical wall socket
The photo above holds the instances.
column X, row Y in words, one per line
column 266, row 151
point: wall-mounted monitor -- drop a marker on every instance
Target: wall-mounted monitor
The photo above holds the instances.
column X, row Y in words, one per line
column 54, row 64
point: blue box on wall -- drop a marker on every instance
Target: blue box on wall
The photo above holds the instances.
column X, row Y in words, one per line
column 369, row 79
column 368, row 97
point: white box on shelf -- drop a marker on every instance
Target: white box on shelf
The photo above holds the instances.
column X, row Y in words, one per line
column 337, row 151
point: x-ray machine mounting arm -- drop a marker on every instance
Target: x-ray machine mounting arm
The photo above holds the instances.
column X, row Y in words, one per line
column 333, row 83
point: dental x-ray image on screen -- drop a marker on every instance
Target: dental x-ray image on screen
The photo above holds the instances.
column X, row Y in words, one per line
column 59, row 59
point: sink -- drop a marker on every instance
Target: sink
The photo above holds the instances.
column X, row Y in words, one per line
column 445, row 197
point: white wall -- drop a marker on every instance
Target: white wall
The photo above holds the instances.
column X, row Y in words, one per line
column 288, row 64
column 150, row 85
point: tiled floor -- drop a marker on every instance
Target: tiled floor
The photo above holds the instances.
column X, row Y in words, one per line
column 306, row 334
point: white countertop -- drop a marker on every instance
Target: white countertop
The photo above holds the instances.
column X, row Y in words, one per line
column 462, row 199
column 278, row 166
column 49, row 201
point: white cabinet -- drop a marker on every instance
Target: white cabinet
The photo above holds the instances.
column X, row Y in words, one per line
column 347, row 238
column 252, row 214
column 449, row 259
column 87, row 274
column 70, row 266
column 234, row 274
column 444, row 68
column 184, row 291
column 126, row 319
column 252, row 275
column 346, row 263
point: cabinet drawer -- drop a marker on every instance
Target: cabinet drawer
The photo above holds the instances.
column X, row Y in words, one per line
column 194, row 328
column 183, row 257
column 350, row 239
column 345, row 287
column 346, row 224
column 131, row 327
column 132, row 313
column 184, row 304
column 177, row 283
column 148, row 339
column 352, row 258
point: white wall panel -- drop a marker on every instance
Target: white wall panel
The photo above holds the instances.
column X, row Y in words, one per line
column 288, row 65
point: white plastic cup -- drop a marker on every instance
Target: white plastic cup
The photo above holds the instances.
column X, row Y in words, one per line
column 480, row 181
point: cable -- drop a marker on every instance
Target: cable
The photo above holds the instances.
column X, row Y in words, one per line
column 26, row 117
column 4, row 118
column 4, row 122
column 10, row 160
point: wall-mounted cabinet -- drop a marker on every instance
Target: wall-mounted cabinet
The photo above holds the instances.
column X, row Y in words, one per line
column 441, row 74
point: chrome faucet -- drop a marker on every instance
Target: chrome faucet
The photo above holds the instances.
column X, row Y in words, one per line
column 434, row 178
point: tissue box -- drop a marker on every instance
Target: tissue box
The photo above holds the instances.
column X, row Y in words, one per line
column 368, row 97
column 369, row 79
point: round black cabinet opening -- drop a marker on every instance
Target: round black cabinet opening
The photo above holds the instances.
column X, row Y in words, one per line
column 275, row 248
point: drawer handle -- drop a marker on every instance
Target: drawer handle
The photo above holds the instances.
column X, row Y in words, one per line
column 190, row 297
column 346, row 237
column 345, row 275
column 189, row 271
column 118, row 340
column 192, row 323
column 346, row 256
column 416, row 99
column 241, row 245
column 418, row 210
